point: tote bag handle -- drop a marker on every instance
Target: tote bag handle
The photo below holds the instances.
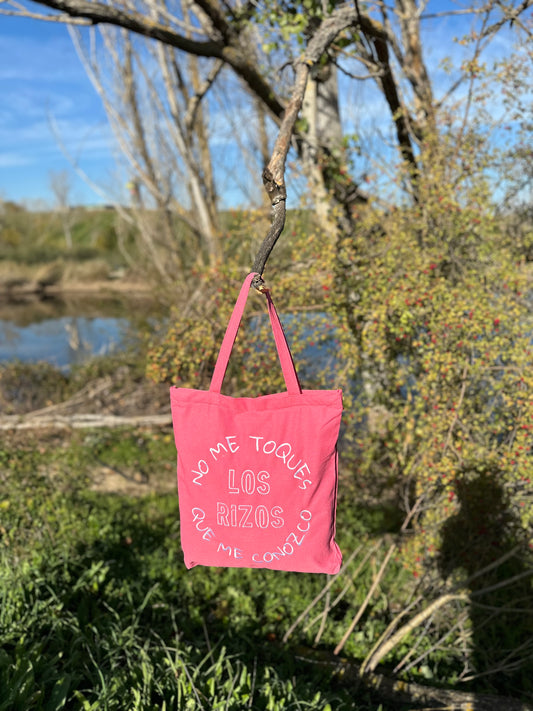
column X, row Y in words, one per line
column 282, row 347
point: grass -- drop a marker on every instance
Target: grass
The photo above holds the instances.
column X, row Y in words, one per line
column 98, row 612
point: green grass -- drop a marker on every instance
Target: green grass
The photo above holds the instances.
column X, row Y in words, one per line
column 97, row 610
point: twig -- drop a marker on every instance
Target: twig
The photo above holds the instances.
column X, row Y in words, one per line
column 321, row 594
column 339, row 597
column 409, row 627
column 324, row 617
column 427, row 652
column 495, row 564
column 412, row 650
column 389, row 629
column 366, row 601
column 505, row 665
column 504, row 583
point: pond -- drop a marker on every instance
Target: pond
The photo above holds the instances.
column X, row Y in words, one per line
column 70, row 331
column 66, row 332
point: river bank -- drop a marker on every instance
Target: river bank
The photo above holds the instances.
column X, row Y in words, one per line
column 61, row 277
column 72, row 342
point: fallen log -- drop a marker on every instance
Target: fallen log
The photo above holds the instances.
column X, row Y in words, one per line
column 28, row 422
column 434, row 698
column 347, row 673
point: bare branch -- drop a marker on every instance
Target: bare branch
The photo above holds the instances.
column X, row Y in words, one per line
column 24, row 12
column 99, row 13
column 273, row 175
column 510, row 14
column 380, row 653
column 194, row 102
column 366, row 601
column 330, row 582
column 452, row 13
column 26, row 422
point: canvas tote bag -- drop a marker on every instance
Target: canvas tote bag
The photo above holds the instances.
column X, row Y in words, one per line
column 257, row 476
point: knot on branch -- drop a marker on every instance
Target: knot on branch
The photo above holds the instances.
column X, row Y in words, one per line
column 277, row 195
column 276, row 191
column 259, row 284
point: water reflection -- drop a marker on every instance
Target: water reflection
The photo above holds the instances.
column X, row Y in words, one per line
column 65, row 333
column 62, row 341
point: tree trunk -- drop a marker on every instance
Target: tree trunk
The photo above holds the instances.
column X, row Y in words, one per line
column 322, row 147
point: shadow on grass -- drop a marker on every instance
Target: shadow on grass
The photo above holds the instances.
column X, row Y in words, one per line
column 483, row 540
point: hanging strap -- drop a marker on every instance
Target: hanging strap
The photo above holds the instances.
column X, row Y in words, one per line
column 282, row 347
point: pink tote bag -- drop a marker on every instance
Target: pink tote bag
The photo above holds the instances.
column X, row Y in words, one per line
column 257, row 476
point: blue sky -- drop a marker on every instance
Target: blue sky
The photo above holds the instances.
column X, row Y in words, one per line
column 45, row 90
column 47, row 100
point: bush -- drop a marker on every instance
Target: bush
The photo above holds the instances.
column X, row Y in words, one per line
column 435, row 324
column 422, row 316
column 25, row 387
column 433, row 308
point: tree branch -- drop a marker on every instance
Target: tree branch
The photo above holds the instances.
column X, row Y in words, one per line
column 273, row 175
column 99, row 13
column 225, row 45
column 21, row 11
